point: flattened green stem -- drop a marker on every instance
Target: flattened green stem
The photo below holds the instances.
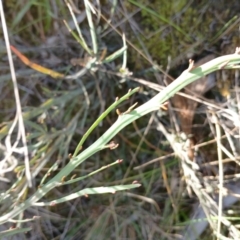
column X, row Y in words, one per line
column 81, row 39
column 185, row 78
column 89, row 191
column 101, row 117
column 14, row 231
column 115, row 55
column 91, row 26
column 92, row 173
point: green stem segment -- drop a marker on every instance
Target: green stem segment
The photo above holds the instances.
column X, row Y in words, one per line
column 186, row 78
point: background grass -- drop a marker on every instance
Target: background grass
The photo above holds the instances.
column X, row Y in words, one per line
column 58, row 112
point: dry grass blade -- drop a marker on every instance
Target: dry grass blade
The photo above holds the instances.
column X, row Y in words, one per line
column 35, row 66
column 18, row 117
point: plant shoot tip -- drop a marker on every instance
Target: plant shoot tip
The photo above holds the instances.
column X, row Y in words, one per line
column 73, row 176
column 118, row 112
column 53, row 203
column 237, row 50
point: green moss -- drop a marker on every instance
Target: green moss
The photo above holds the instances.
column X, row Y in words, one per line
column 176, row 28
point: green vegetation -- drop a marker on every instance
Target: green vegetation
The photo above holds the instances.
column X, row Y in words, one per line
column 114, row 146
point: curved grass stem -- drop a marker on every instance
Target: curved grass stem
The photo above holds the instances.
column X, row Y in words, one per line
column 123, row 120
